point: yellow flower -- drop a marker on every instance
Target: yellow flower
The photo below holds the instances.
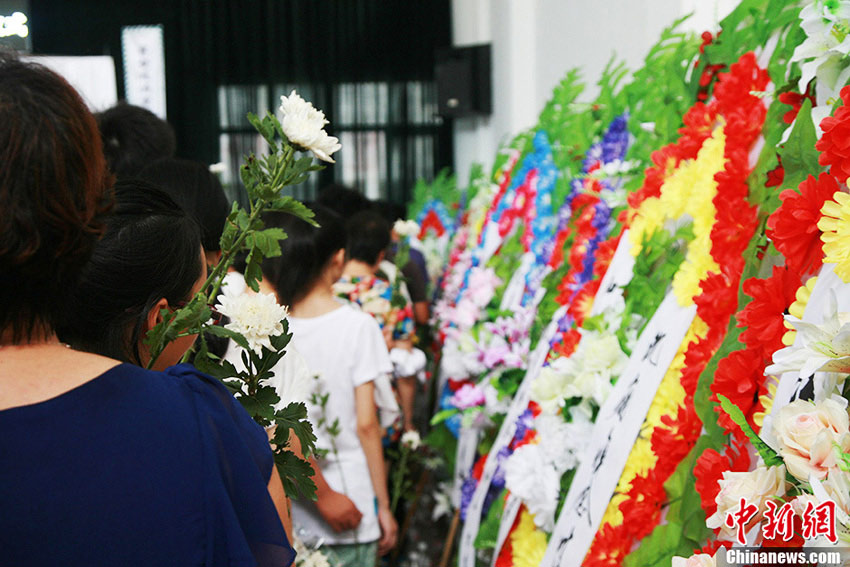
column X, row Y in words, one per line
column 687, row 195
column 528, row 543
column 835, row 228
column 804, row 292
column 649, row 218
column 766, row 401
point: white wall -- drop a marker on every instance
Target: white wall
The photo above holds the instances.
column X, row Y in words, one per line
column 535, row 42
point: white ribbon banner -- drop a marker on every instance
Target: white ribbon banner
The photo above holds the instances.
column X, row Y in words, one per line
column 614, row 433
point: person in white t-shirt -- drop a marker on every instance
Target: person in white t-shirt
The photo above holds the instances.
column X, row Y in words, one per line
column 346, row 349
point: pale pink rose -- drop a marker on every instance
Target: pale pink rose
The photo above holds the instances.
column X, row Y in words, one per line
column 757, row 487
column 837, row 486
column 698, row 560
column 468, row 396
column 807, row 433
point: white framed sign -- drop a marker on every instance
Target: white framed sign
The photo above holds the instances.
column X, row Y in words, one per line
column 144, row 67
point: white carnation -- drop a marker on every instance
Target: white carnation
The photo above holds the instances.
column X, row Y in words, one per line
column 304, row 126
column 257, row 317
column 529, row 475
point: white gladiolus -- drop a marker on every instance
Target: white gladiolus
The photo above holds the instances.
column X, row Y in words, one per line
column 257, row 317
column 304, row 126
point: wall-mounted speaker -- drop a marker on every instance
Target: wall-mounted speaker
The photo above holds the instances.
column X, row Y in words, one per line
column 463, row 81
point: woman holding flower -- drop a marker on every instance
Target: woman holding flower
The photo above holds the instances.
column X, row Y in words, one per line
column 104, row 463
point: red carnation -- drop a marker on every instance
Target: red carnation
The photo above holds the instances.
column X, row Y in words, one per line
column 604, row 255
column 567, row 345
column 834, row 145
column 718, row 300
column 793, row 227
column 795, row 101
column 763, row 316
column 644, row 502
column 775, row 176
column 697, row 357
column 610, row 546
column 709, row 469
column 738, row 377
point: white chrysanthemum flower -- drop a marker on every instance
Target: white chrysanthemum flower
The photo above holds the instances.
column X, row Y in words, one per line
column 306, row 557
column 406, row 228
column 304, row 126
column 257, row 317
column 562, row 442
column 531, row 476
column 411, row 439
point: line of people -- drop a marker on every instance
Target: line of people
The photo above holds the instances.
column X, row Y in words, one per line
column 103, row 462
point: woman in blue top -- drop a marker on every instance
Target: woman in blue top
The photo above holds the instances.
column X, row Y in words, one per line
column 102, row 462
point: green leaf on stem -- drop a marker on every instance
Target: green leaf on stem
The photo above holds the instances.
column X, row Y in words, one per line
column 294, row 418
column 227, row 333
column 293, row 207
column 443, row 415
column 771, row 458
column 260, row 405
column 296, row 475
column 799, row 155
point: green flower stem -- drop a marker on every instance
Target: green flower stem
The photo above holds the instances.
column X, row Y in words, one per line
column 398, row 478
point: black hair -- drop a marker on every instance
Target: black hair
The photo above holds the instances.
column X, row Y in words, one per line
column 54, row 190
column 134, row 137
column 343, row 200
column 198, row 192
column 389, row 210
column 368, row 234
column 150, row 251
column 304, row 253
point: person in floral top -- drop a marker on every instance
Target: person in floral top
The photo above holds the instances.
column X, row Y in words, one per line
column 361, row 284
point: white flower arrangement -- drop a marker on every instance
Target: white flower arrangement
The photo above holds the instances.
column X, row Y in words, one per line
column 304, row 126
